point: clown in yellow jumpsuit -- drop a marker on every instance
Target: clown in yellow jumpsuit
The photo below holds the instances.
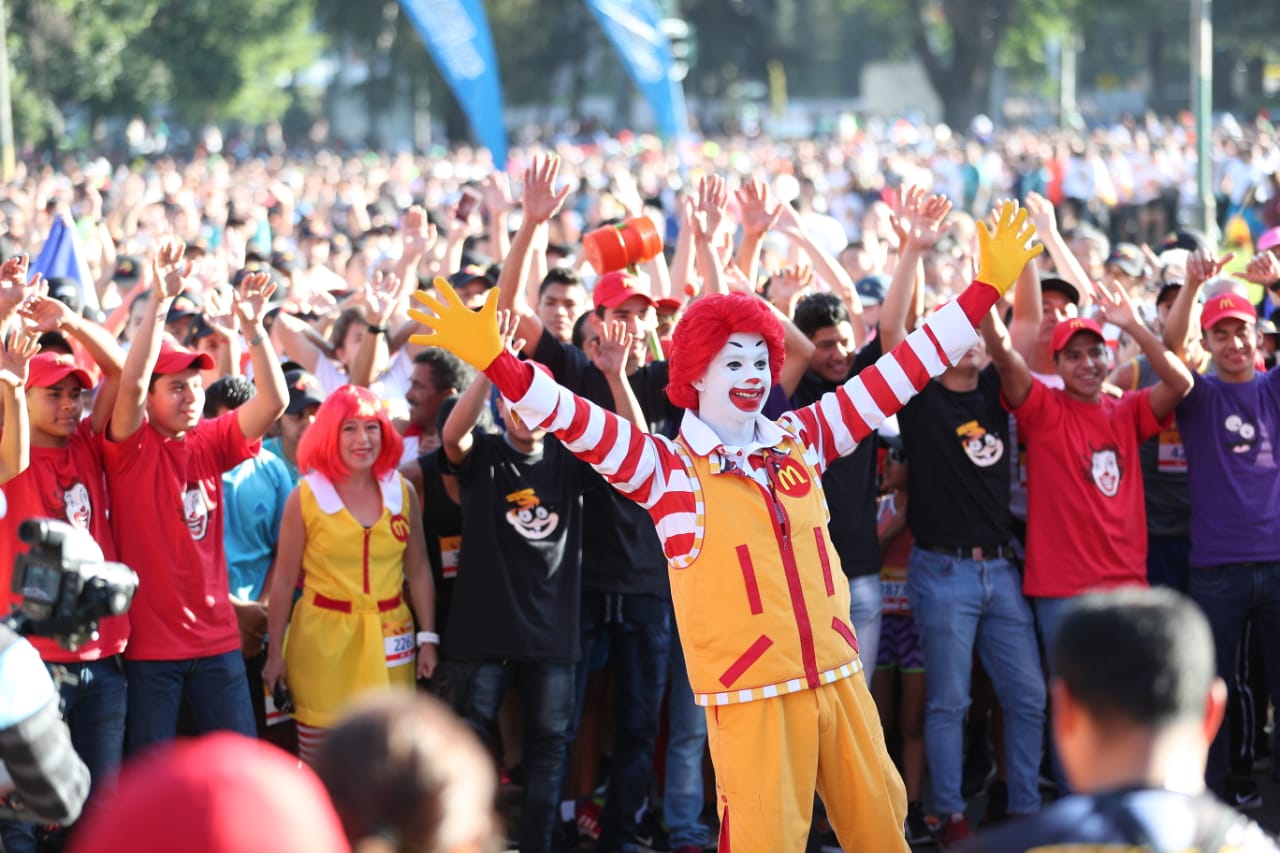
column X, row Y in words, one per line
column 737, row 502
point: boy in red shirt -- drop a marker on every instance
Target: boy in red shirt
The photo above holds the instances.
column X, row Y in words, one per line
column 64, row 481
column 164, row 473
column 1083, row 454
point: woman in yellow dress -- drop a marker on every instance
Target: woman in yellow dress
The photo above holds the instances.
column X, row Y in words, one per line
column 353, row 530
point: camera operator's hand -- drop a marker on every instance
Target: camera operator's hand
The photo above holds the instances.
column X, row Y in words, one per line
column 252, row 619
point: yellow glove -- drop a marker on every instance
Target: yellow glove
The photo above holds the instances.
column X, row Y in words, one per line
column 1002, row 255
column 470, row 335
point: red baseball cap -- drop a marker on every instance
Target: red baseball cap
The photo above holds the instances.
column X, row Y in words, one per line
column 614, row 288
column 1068, row 329
column 47, row 369
column 174, row 359
column 1226, row 305
column 221, row 793
column 669, row 304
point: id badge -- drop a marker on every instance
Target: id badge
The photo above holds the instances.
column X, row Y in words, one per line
column 450, row 546
column 399, row 646
column 1173, row 456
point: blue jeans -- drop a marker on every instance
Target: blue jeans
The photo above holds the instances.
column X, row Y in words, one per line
column 546, row 705
column 1049, row 612
column 94, row 708
column 686, row 740
column 638, row 631
column 1169, row 561
column 1228, row 594
column 215, row 688
column 866, row 605
column 959, row 604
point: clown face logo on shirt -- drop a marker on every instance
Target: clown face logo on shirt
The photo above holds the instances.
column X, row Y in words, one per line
column 529, row 517
column 1241, row 435
column 195, row 511
column 79, row 509
column 1104, row 470
column 984, row 449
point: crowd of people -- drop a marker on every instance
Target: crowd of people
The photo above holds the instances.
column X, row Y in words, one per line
column 243, row 397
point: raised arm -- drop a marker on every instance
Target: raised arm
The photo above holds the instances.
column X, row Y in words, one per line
column 634, row 463
column 382, row 298
column 541, row 201
column 920, row 224
column 1201, row 266
column 166, row 283
column 50, row 315
column 1063, row 261
column 1175, row 378
column 15, row 441
column 825, row 267
column 457, row 437
column 264, row 408
column 759, row 215
column 1015, row 376
column 840, row 419
column 609, row 354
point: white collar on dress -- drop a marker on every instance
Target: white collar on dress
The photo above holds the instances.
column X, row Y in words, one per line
column 330, row 502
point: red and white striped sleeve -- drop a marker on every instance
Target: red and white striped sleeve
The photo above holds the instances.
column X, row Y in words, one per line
column 836, row 423
column 641, row 466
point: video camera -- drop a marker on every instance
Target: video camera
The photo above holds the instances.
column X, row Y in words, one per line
column 65, row 584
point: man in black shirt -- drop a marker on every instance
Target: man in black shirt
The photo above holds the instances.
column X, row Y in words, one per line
column 850, row 482
column 1136, row 704
column 515, row 601
column 964, row 589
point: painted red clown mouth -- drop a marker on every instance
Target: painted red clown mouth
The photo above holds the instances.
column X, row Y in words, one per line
column 747, row 399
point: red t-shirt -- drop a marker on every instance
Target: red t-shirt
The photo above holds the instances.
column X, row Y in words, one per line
column 1086, row 519
column 67, row 484
column 166, row 499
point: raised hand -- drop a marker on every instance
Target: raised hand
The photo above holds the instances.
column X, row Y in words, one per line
column 417, row 234
column 1204, row 264
column 1041, row 211
column 1116, row 306
column 15, row 355
column 169, row 268
column 497, row 193
column 790, row 284
column 470, row 335
column 15, row 287
column 626, row 193
column 45, row 314
column 1263, row 269
column 713, row 200
column 919, row 218
column 381, row 297
column 508, row 328
column 251, row 300
column 612, row 348
column 760, row 212
column 1005, row 249
column 540, row 200
column 219, row 312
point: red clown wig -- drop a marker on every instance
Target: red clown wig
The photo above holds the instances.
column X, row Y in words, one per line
column 703, row 332
column 318, row 449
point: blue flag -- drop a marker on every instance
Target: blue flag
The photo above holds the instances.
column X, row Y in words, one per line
column 632, row 26
column 61, row 257
column 457, row 34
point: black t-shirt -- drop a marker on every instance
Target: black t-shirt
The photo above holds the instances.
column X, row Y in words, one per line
column 621, row 552
column 957, row 445
column 850, row 481
column 1144, row 819
column 442, row 524
column 520, row 569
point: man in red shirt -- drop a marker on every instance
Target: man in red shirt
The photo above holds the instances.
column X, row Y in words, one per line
column 1082, row 451
column 164, row 468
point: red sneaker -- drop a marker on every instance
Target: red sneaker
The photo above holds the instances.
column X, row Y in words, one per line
column 955, row 830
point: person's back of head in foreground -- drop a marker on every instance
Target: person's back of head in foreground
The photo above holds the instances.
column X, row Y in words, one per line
column 406, row 775
column 221, row 793
column 1136, row 701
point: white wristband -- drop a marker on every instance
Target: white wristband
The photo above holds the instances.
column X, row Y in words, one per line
column 428, row 637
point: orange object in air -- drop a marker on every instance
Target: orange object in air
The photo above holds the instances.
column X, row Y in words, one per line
column 616, row 247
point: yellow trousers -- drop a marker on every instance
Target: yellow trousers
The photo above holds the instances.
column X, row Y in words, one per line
column 772, row 754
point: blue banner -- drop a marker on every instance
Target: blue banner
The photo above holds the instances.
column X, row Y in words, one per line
column 457, row 34
column 61, row 258
column 632, row 26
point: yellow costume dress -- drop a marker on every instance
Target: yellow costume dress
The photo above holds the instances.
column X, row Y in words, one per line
column 351, row 631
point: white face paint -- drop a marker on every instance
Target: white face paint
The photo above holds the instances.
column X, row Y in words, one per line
column 733, row 390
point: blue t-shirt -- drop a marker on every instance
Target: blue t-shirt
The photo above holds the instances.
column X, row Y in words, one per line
column 253, row 496
column 1229, row 433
